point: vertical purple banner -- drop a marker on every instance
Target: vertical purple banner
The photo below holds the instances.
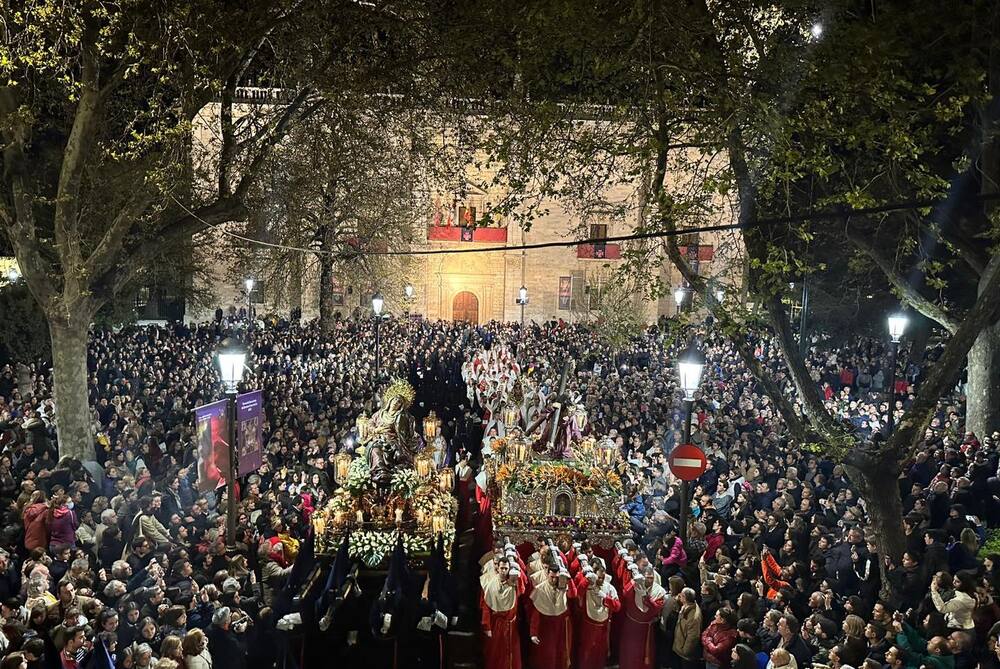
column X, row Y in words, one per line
column 250, row 431
column 212, row 430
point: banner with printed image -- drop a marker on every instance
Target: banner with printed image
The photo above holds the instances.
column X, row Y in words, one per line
column 249, row 431
column 212, row 430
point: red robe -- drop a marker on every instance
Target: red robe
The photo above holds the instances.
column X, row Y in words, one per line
column 637, row 649
column 594, row 623
column 502, row 647
column 484, row 522
column 549, row 618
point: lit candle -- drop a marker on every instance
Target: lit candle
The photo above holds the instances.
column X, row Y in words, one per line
column 424, row 464
column 360, row 516
column 399, row 516
column 446, row 479
column 511, row 417
column 343, row 467
column 420, row 516
column 338, row 517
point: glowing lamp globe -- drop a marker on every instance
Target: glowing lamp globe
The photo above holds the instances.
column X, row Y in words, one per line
column 897, row 326
column 690, row 365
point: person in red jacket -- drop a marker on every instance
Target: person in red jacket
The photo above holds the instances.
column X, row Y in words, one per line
column 772, row 573
column 597, row 601
column 551, row 629
column 719, row 638
column 35, row 518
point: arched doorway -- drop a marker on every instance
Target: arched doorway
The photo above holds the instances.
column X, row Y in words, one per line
column 465, row 307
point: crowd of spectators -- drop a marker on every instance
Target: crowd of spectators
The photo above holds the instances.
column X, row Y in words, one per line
column 131, row 556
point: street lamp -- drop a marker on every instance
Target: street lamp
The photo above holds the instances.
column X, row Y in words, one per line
column 377, row 303
column 690, row 365
column 897, row 326
column 13, row 275
column 249, row 283
column 231, row 361
column 408, row 291
column 720, row 295
column 679, row 297
column 522, row 299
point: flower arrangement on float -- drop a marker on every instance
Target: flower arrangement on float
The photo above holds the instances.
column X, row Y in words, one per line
column 418, row 505
column 534, row 494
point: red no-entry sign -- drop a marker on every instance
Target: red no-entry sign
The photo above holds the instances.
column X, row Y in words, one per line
column 687, row 462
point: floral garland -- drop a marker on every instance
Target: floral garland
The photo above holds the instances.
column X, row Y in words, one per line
column 617, row 524
column 372, row 547
column 527, row 477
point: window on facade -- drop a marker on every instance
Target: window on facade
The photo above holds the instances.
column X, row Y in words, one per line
column 598, row 230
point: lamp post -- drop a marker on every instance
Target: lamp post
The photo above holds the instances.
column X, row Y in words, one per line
column 13, row 276
column 408, row 295
column 249, row 283
column 521, row 299
column 231, row 360
column 803, row 314
column 720, row 295
column 377, row 303
column 690, row 365
column 679, row 298
column 897, row 326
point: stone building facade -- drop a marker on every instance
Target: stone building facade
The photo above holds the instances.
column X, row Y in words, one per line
column 479, row 286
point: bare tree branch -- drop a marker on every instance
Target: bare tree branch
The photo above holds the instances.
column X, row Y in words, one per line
column 944, row 373
column 81, row 136
column 909, row 294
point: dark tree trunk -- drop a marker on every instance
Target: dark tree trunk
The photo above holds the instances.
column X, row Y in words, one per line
column 983, row 398
column 326, row 305
column 69, row 387
column 295, row 283
column 875, row 473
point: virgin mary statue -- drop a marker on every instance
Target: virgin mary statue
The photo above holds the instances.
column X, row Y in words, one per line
column 390, row 435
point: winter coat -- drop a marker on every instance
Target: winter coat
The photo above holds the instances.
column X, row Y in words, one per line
column 36, row 531
column 202, row 660
column 152, row 529
column 718, row 641
column 957, row 610
column 687, row 633
column 273, row 577
column 677, row 555
column 62, row 527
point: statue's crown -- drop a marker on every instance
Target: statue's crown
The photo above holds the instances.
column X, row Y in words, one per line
column 402, row 389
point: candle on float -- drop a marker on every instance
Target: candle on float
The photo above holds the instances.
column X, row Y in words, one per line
column 360, row 516
column 338, row 517
column 399, row 516
column 420, row 516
